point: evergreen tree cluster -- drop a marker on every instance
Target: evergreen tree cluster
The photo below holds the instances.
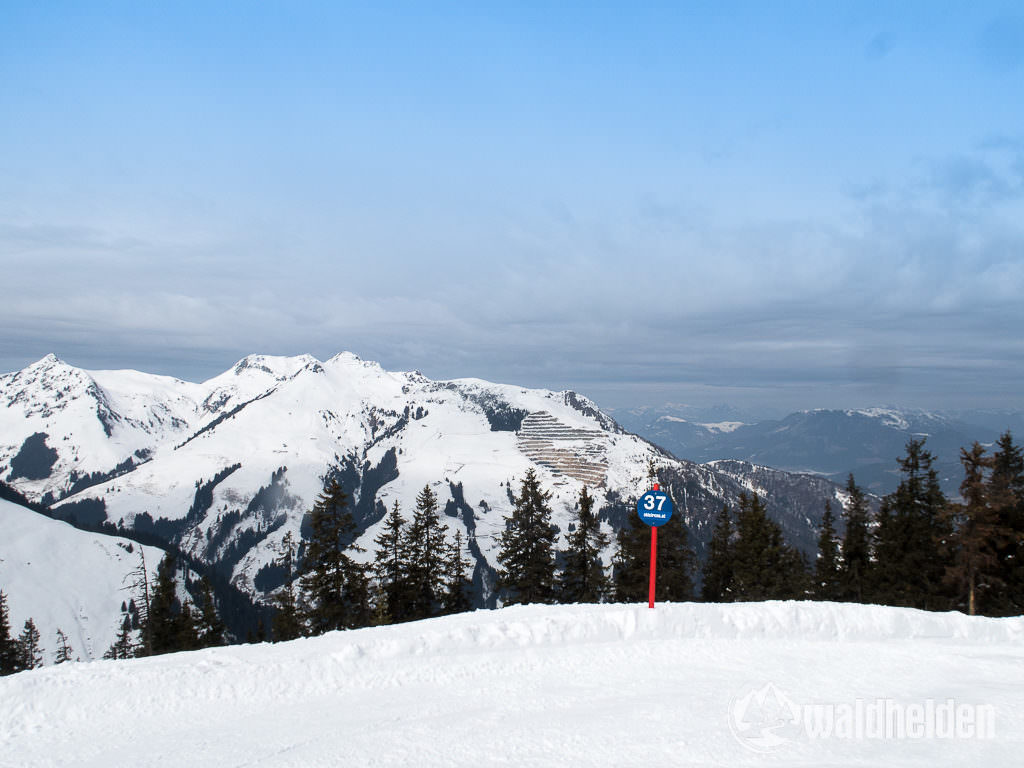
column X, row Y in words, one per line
column 529, row 558
column 984, row 544
column 420, row 572
column 925, row 551
column 920, row 550
column 417, row 570
column 158, row 620
column 749, row 559
column 25, row 651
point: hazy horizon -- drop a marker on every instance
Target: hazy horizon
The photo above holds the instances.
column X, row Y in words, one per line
column 611, row 397
column 777, row 207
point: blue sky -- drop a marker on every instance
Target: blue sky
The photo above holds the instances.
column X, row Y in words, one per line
column 775, row 205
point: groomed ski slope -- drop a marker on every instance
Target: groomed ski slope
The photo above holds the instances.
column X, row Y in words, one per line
column 537, row 686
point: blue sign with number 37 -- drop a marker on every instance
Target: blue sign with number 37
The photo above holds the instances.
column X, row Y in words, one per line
column 654, row 508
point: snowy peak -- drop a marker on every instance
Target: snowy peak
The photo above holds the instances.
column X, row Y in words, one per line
column 280, row 368
column 903, row 419
column 890, row 417
column 351, row 359
column 64, row 428
column 251, row 377
column 46, row 386
column 225, row 469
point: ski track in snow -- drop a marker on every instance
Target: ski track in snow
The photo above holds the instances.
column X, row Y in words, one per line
column 527, row 686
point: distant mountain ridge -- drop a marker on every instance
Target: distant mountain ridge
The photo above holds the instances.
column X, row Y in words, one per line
column 831, row 443
column 224, row 469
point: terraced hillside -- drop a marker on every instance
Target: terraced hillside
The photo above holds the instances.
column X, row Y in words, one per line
column 565, row 450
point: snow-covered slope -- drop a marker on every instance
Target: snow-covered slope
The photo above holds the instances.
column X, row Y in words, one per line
column 64, row 578
column 685, row 684
column 226, row 468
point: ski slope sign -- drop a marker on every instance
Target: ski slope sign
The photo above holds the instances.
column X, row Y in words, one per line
column 654, row 507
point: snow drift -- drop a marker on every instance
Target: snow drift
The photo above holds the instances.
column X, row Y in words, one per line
column 538, row 685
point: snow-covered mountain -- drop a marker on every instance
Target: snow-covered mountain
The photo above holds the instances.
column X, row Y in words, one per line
column 224, row 469
column 67, row 579
column 744, row 684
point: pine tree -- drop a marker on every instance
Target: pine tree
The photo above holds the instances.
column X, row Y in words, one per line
column 140, row 586
column 287, row 624
column 8, row 645
column 1006, row 495
column 122, row 647
column 64, row 650
column 584, row 579
column 827, row 574
column 163, row 628
column 210, row 629
column 978, row 534
column 326, row 565
column 425, row 558
column 187, row 624
column 170, row 625
column 527, row 547
column 913, row 536
column 30, row 652
column 676, row 562
column 379, row 605
column 764, row 567
column 390, row 562
column 795, row 575
column 457, row 586
column 631, row 564
column 718, row 570
column 357, row 608
column 855, row 564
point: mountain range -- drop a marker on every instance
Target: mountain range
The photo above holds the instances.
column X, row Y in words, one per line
column 222, row 470
column 831, row 443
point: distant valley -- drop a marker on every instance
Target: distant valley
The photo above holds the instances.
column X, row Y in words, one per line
column 830, row 443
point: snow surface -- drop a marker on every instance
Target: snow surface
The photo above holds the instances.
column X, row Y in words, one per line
column 536, row 686
column 718, row 427
column 723, row 427
column 64, row 578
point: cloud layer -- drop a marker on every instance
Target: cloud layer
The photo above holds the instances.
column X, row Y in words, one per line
column 781, row 212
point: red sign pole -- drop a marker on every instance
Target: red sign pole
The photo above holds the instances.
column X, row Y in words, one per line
column 654, row 560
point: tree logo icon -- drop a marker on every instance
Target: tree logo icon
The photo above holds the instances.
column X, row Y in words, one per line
column 763, row 718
